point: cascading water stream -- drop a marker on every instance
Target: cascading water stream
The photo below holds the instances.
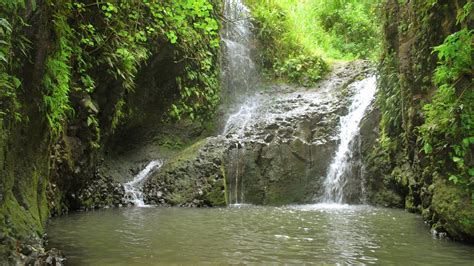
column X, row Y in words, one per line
column 133, row 189
column 349, row 129
column 238, row 122
column 239, row 72
column 239, row 77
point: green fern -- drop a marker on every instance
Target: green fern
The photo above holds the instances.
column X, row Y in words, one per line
column 448, row 130
column 57, row 78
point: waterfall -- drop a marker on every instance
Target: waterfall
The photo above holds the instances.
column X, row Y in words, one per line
column 239, row 72
column 239, row 76
column 349, row 129
column 240, row 120
column 133, row 189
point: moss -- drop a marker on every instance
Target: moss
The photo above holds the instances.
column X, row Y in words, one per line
column 176, row 198
column 40, row 172
column 16, row 223
column 274, row 196
column 172, row 142
column 454, row 210
column 216, row 195
column 409, row 204
column 17, row 219
column 193, row 177
column 190, row 152
column 287, row 190
column 388, row 198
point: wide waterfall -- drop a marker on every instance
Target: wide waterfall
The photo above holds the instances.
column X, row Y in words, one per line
column 133, row 189
column 349, row 128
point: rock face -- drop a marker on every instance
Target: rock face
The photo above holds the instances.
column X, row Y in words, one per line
column 100, row 192
column 193, row 178
column 275, row 150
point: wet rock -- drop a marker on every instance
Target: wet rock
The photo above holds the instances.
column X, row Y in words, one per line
column 278, row 156
column 30, row 251
column 102, row 191
column 199, row 181
column 51, row 257
column 272, row 126
column 269, row 137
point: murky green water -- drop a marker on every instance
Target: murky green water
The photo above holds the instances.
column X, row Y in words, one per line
column 292, row 235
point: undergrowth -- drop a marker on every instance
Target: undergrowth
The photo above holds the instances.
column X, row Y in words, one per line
column 448, row 132
column 300, row 38
column 96, row 43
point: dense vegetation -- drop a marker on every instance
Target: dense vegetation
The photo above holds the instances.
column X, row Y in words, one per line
column 300, row 38
column 447, row 134
column 118, row 36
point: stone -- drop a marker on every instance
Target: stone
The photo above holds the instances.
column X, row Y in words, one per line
column 280, row 158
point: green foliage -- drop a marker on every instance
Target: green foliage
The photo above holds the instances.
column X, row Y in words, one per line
column 284, row 55
column 428, row 117
column 134, row 27
column 455, row 57
column 9, row 83
column 389, row 101
column 294, row 33
column 57, row 77
column 196, row 34
column 304, row 70
column 96, row 44
column 448, row 132
column 351, row 26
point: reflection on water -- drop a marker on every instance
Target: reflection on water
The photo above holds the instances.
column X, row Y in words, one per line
column 320, row 233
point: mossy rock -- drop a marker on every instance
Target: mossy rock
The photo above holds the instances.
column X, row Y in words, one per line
column 388, row 198
column 192, row 178
column 454, row 210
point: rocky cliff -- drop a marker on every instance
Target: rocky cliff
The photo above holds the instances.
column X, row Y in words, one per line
column 422, row 154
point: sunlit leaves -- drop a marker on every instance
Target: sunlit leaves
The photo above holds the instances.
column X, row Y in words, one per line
column 172, row 36
column 109, row 9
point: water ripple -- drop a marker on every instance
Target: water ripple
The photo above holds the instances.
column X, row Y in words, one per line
column 304, row 234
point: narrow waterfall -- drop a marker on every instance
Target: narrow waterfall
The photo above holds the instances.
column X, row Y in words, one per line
column 239, row 77
column 349, row 129
column 239, row 72
column 133, row 189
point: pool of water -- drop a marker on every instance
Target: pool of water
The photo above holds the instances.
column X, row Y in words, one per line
column 321, row 233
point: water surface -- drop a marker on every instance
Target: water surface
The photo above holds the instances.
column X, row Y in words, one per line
column 321, row 233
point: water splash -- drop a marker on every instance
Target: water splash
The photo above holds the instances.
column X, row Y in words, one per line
column 238, row 122
column 133, row 189
column 349, row 129
column 326, row 206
